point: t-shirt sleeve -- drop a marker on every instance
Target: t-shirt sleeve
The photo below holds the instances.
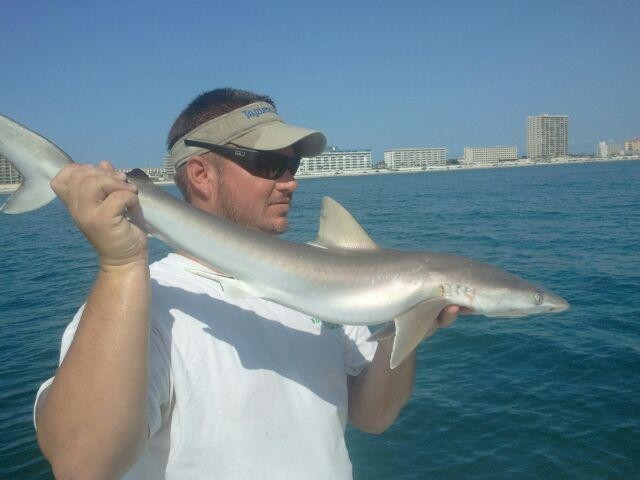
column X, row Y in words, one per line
column 159, row 389
column 358, row 353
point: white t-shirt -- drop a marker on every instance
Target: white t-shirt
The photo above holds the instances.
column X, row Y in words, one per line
column 241, row 388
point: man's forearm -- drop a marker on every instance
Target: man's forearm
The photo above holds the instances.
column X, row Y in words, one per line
column 93, row 418
column 377, row 394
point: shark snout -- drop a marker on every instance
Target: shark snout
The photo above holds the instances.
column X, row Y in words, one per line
column 555, row 303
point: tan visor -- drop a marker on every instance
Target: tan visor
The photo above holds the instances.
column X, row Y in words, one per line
column 255, row 126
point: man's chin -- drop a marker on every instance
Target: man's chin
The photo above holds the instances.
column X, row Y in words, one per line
column 279, row 225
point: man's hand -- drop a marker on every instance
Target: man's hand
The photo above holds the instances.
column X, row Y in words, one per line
column 449, row 315
column 97, row 199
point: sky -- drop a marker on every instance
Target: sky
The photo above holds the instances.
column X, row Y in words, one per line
column 105, row 80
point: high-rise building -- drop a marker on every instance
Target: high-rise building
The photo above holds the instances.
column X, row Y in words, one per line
column 333, row 160
column 409, row 158
column 547, row 136
column 606, row 149
column 487, row 155
column 8, row 173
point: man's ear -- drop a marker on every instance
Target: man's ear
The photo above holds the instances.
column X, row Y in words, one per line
column 201, row 176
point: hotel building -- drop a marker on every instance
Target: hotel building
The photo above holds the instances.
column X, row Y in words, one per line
column 606, row 149
column 489, row 155
column 632, row 146
column 333, row 160
column 547, row 136
column 411, row 158
column 167, row 164
column 8, row 173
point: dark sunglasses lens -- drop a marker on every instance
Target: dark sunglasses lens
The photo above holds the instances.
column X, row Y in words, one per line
column 273, row 166
column 294, row 164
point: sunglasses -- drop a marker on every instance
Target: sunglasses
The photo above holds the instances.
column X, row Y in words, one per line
column 260, row 163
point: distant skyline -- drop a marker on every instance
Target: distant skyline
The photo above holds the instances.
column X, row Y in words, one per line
column 105, row 80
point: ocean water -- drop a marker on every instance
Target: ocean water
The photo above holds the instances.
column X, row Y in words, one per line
column 551, row 396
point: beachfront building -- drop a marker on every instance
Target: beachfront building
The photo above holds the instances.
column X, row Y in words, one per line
column 8, row 173
column 333, row 161
column 607, row 150
column 632, row 146
column 169, row 170
column 488, row 155
column 547, row 136
column 155, row 173
column 414, row 158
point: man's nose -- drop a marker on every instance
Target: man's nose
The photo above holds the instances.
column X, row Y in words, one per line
column 287, row 182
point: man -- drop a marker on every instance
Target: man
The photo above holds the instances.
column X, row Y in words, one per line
column 162, row 375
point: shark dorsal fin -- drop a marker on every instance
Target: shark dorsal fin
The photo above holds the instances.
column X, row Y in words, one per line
column 338, row 229
column 138, row 176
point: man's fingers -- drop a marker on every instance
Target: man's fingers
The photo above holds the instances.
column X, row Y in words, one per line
column 448, row 315
column 119, row 201
column 97, row 184
column 87, row 184
column 60, row 183
column 114, row 184
column 106, row 166
column 90, row 192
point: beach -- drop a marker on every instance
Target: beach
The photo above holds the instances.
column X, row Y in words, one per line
column 10, row 188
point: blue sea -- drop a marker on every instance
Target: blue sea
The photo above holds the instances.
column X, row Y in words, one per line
column 550, row 396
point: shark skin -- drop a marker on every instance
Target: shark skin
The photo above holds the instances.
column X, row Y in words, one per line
column 342, row 277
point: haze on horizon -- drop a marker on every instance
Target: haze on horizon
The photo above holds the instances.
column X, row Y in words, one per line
column 105, row 80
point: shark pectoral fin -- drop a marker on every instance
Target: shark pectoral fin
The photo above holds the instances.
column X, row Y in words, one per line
column 211, row 275
column 338, row 229
column 232, row 288
column 31, row 195
column 314, row 244
column 237, row 289
column 389, row 330
column 413, row 326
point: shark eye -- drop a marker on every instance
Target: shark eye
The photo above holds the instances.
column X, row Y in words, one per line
column 538, row 298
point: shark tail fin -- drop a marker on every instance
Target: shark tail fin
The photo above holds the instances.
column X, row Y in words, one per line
column 38, row 161
column 31, row 195
column 414, row 326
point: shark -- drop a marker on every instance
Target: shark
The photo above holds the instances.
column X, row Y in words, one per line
column 342, row 277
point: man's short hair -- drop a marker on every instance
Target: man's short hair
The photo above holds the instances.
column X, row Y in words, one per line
column 203, row 108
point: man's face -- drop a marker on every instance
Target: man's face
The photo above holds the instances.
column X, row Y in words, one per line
column 253, row 201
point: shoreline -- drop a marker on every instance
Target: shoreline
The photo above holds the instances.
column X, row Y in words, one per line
column 453, row 168
column 12, row 187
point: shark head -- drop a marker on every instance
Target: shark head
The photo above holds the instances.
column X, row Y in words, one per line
column 489, row 290
column 515, row 297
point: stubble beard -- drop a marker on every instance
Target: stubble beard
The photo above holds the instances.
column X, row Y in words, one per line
column 227, row 209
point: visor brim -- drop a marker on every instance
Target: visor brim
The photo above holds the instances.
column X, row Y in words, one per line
column 278, row 135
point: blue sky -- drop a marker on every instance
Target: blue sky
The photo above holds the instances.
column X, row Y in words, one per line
column 104, row 80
